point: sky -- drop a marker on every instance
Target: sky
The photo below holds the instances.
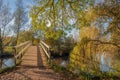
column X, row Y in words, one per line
column 12, row 5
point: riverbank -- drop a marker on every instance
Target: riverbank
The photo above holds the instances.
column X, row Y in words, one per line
column 62, row 65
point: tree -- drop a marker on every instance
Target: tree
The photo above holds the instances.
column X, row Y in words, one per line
column 51, row 18
column 98, row 23
column 20, row 19
column 25, row 36
column 103, row 38
column 5, row 18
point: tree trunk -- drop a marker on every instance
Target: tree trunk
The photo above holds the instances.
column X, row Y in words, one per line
column 17, row 39
column 1, row 49
column 18, row 30
column 1, row 44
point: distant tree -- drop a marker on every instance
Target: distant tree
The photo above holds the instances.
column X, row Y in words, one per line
column 25, row 36
column 20, row 18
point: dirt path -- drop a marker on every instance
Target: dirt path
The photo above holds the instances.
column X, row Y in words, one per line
column 33, row 67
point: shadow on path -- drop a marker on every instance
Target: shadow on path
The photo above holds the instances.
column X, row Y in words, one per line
column 39, row 59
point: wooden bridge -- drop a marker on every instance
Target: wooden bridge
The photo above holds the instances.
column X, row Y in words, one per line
column 33, row 63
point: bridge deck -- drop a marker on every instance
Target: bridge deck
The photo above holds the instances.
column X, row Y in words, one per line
column 30, row 57
column 33, row 67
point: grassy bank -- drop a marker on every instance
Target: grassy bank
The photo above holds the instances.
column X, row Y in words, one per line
column 80, row 74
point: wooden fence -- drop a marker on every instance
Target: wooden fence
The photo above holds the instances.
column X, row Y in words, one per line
column 20, row 50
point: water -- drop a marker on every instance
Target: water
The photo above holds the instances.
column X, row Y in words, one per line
column 63, row 63
column 8, row 62
column 105, row 62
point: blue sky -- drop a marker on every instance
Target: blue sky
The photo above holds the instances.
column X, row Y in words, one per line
column 11, row 4
column 27, row 4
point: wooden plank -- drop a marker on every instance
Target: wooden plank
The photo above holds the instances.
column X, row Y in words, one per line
column 30, row 57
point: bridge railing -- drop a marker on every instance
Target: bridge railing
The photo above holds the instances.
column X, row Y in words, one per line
column 19, row 50
column 45, row 48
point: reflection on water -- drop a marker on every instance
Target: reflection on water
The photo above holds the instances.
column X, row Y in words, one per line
column 8, row 62
column 61, row 61
column 105, row 63
column 64, row 63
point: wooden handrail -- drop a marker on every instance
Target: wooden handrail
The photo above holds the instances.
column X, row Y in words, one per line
column 45, row 44
column 21, row 52
column 18, row 46
column 47, row 54
column 22, row 48
column 45, row 48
